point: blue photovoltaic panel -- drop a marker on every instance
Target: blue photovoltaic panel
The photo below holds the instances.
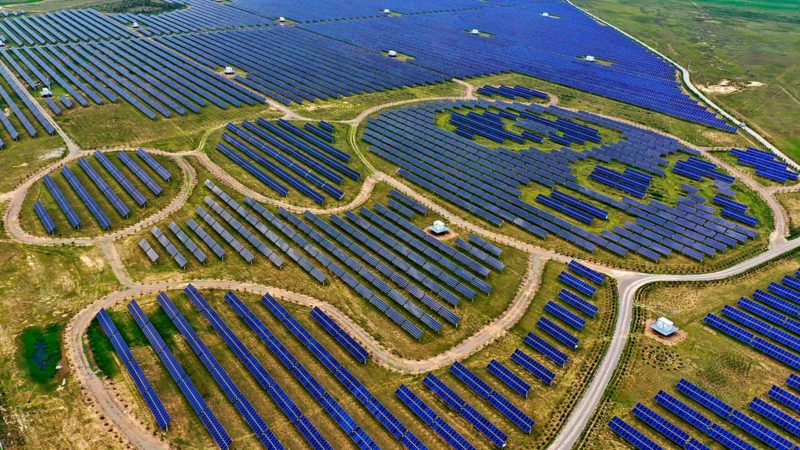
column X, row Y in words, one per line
column 44, row 217
column 760, row 431
column 507, row 376
column 62, row 202
column 728, row 439
column 547, row 349
column 666, row 428
column 301, row 374
column 432, row 419
column 123, row 181
column 143, row 176
column 576, row 283
column 160, row 170
column 494, row 398
column 776, row 416
column 335, row 368
column 533, row 366
column 88, row 200
column 729, row 328
column 187, row 387
column 144, row 386
column 685, row 412
column 785, row 397
column 793, row 381
column 565, row 315
column 220, row 375
column 258, row 371
column 557, row 332
column 632, row 435
column 711, row 402
column 341, row 336
column 476, row 419
column 590, row 274
column 577, row 302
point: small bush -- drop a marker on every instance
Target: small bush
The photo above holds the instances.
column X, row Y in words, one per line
column 41, row 351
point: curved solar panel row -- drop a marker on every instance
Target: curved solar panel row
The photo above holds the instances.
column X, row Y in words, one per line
column 340, row 372
column 467, row 411
column 226, row 235
column 187, row 387
column 44, row 217
column 324, row 399
column 144, row 386
column 385, row 270
column 408, row 326
column 433, row 420
column 288, row 407
column 308, row 74
column 220, row 375
column 273, row 257
column 293, row 254
column 341, row 336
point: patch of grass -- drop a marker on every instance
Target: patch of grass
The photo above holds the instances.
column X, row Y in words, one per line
column 734, row 372
column 102, row 350
column 21, row 159
column 139, row 7
column 347, row 108
column 727, row 40
column 791, row 204
column 575, row 99
column 120, row 124
column 41, row 351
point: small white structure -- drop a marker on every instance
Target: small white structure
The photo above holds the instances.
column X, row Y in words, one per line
column 2, row 43
column 387, row 11
column 474, row 31
column 282, row 19
column 229, row 70
column 546, row 14
column 46, row 92
column 590, row 58
column 135, row 25
column 439, row 227
column 393, row 53
column 664, row 326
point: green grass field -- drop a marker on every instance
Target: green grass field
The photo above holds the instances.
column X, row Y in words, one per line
column 118, row 124
column 547, row 405
column 89, row 226
column 725, row 367
column 727, row 40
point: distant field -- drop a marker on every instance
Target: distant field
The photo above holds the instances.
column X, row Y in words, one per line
column 734, row 372
column 727, row 40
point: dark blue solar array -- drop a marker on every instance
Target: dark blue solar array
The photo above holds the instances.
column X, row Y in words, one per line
column 666, row 428
column 44, row 217
column 324, row 399
column 341, row 336
column 288, row 407
column 524, row 40
column 432, row 419
column 86, row 197
column 511, row 92
column 766, row 164
column 533, row 366
column 62, row 202
column 466, row 410
column 146, row 390
column 774, row 315
column 341, row 373
column 590, row 274
column 632, row 435
column 547, row 349
column 310, row 63
column 509, row 378
column 466, row 175
column 187, row 387
column 220, row 375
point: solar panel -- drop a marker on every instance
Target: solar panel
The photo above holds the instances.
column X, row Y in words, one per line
column 632, row 435
column 44, row 217
column 565, row 315
column 557, row 332
column 776, row 416
column 340, row 335
column 546, row 349
column 680, row 409
column 533, row 366
column 785, row 397
column 432, row 419
column 711, row 402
